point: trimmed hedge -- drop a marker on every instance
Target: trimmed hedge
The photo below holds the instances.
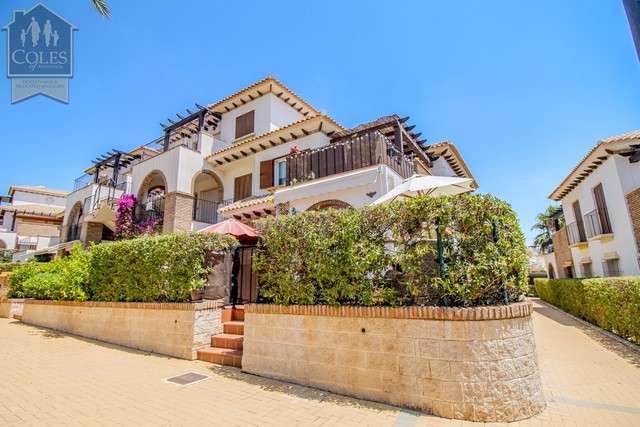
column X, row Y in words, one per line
column 147, row 269
column 152, row 269
column 612, row 303
column 387, row 254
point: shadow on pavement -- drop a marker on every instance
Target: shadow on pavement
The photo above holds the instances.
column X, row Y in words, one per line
column 629, row 352
column 302, row 392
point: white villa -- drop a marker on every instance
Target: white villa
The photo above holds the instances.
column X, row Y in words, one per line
column 30, row 222
column 261, row 151
column 601, row 204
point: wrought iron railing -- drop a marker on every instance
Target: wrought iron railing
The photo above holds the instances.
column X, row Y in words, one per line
column 82, row 182
column 205, row 211
column 366, row 150
column 597, row 223
column 151, row 209
column 575, row 233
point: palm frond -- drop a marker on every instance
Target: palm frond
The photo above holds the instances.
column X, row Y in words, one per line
column 103, row 8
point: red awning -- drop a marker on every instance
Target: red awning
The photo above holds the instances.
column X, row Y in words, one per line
column 244, row 233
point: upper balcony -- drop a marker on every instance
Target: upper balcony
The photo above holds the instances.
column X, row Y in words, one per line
column 576, row 234
column 369, row 149
column 598, row 225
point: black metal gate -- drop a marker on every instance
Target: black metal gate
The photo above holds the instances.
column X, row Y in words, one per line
column 244, row 279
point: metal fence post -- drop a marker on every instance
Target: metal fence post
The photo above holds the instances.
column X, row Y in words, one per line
column 496, row 238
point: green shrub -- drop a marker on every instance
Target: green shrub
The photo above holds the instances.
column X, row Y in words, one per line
column 8, row 266
column 612, row 303
column 60, row 279
column 154, row 268
column 386, row 254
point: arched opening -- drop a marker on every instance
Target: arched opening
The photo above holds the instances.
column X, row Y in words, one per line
column 208, row 192
column 552, row 274
column 151, row 197
column 75, row 222
column 329, row 204
column 3, row 245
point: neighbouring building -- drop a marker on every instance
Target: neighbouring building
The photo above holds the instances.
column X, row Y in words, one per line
column 30, row 223
column 601, row 204
column 261, row 151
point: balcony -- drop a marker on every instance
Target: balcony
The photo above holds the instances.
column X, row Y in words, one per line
column 597, row 224
column 370, row 149
column 152, row 209
column 205, row 211
column 576, row 234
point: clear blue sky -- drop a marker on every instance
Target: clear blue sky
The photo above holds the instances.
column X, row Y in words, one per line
column 523, row 88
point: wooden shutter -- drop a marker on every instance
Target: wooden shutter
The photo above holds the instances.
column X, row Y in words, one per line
column 244, row 124
column 242, row 187
column 577, row 212
column 266, row 174
column 601, row 205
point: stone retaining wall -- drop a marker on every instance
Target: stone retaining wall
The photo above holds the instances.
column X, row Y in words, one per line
column 173, row 329
column 477, row 364
column 11, row 306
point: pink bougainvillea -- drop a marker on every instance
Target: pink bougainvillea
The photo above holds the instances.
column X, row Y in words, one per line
column 127, row 226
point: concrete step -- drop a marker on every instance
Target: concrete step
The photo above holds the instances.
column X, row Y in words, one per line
column 228, row 341
column 221, row 356
column 234, row 327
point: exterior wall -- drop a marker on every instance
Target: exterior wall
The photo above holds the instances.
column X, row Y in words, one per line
column 4, row 284
column 561, row 251
column 78, row 196
column 34, row 227
column 91, row 232
column 281, row 113
column 476, row 364
column 9, row 238
column 177, row 330
column 623, row 242
column 10, row 307
column 262, row 119
column 24, row 198
column 178, row 212
column 633, row 206
column 442, row 168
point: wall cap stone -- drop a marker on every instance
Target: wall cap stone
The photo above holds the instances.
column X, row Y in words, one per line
column 181, row 306
column 521, row 309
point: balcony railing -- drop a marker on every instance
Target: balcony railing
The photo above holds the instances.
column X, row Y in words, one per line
column 82, row 182
column 151, row 209
column 575, row 233
column 105, row 180
column 205, row 211
column 366, row 150
column 597, row 223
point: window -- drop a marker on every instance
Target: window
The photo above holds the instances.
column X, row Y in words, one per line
column 586, row 270
column 280, row 172
column 611, row 268
column 242, row 187
column 245, row 124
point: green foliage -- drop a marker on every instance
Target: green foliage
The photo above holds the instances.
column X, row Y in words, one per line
column 544, row 224
column 60, row 279
column 153, row 268
column 387, row 254
column 6, row 255
column 8, row 266
column 612, row 303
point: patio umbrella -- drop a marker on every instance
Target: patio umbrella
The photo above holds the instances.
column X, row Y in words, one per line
column 426, row 185
column 245, row 234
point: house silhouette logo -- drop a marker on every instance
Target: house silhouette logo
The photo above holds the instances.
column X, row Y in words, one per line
column 39, row 54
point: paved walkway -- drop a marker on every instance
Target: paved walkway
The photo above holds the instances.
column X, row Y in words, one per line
column 48, row 378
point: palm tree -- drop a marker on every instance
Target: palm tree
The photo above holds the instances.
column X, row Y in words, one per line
column 545, row 224
column 103, row 8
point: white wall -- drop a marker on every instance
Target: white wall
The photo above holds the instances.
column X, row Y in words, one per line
column 282, row 113
column 24, row 198
column 8, row 238
column 262, row 123
column 441, row 168
column 78, row 196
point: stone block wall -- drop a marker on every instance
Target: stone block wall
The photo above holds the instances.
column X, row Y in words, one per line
column 561, row 250
column 178, row 212
column 10, row 307
column 173, row 329
column 91, row 232
column 633, row 205
column 4, row 284
column 477, row 364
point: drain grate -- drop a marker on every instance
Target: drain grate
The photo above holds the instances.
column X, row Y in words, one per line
column 187, row 379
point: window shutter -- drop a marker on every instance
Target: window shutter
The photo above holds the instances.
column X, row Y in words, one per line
column 242, row 187
column 266, row 174
column 244, row 124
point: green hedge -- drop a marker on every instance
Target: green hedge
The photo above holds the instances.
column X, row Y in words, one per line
column 152, row 269
column 612, row 303
column 146, row 269
column 386, row 254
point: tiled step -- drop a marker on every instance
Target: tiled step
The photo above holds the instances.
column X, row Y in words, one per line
column 229, row 314
column 17, row 316
column 228, row 341
column 221, row 356
column 234, row 327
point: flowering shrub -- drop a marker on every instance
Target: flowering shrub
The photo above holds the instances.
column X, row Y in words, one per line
column 295, row 150
column 127, row 226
